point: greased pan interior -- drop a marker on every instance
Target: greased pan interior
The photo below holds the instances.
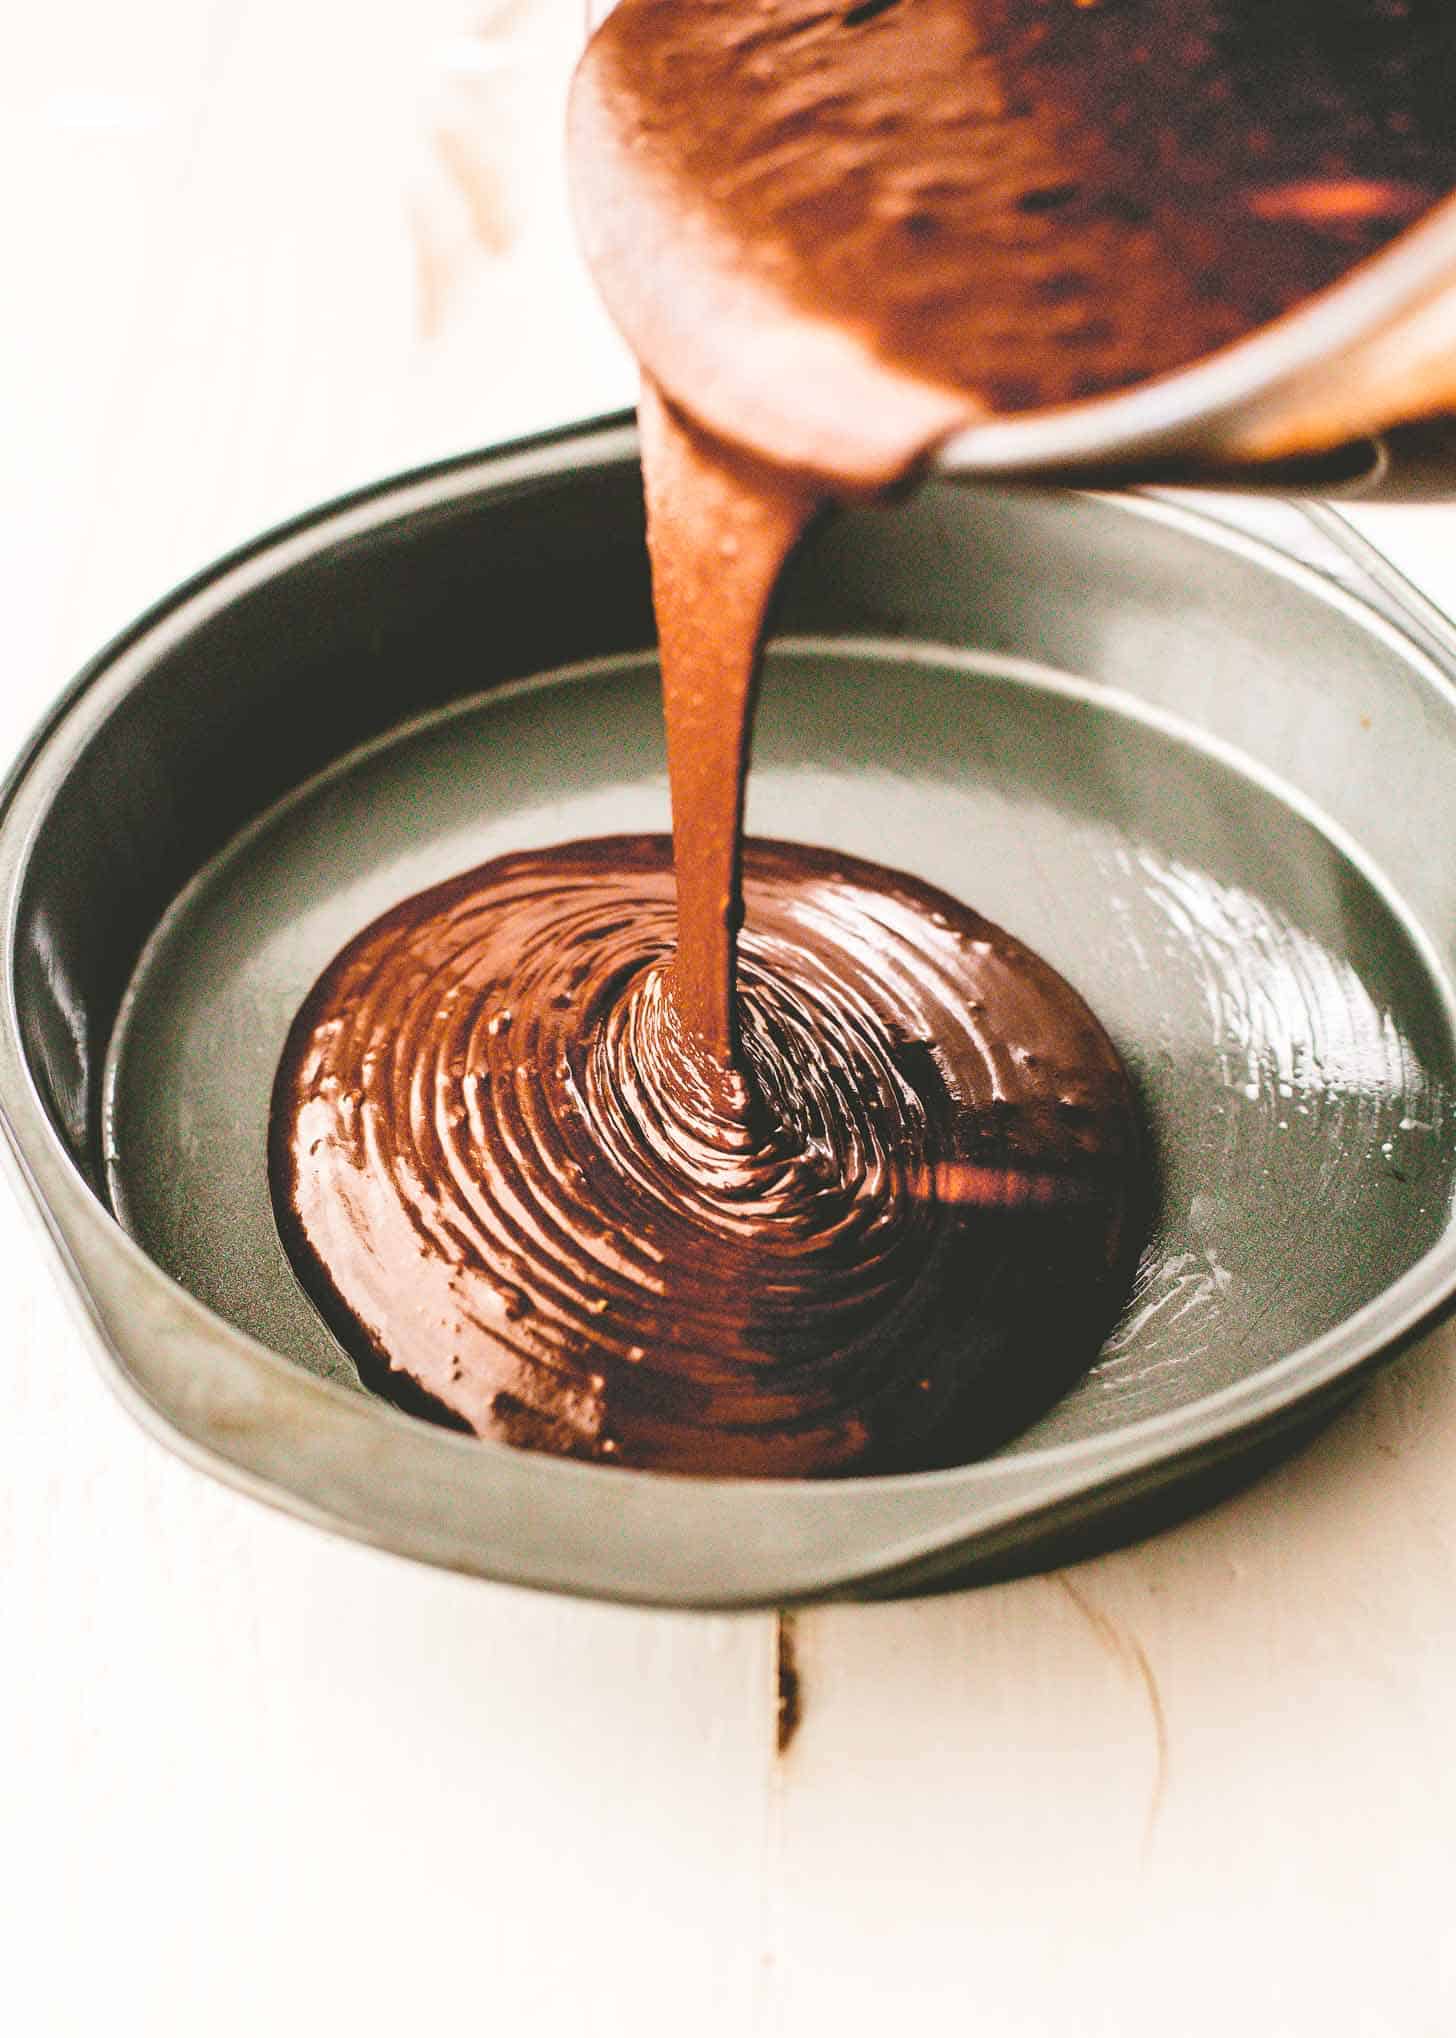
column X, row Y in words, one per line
column 1209, row 783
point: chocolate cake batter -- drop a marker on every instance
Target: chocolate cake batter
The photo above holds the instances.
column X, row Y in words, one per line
column 836, row 233
column 518, row 1203
column 559, row 1163
column 565, row 1158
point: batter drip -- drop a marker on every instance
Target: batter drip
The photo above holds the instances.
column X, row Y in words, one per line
column 571, row 1156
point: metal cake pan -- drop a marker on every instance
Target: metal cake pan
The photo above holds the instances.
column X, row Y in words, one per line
column 1205, row 763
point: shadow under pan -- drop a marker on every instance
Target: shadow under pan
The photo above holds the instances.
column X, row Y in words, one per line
column 1200, row 779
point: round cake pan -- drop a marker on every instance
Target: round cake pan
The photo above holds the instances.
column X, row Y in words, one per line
column 1206, row 765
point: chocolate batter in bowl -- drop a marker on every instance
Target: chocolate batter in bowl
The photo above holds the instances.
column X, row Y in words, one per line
column 844, row 236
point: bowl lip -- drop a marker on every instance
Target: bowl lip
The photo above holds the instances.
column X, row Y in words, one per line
column 1199, row 409
column 1077, row 1471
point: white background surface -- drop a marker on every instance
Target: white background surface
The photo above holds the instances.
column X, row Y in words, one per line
column 254, row 1780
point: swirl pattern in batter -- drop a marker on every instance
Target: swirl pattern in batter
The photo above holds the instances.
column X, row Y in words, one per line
column 530, row 1209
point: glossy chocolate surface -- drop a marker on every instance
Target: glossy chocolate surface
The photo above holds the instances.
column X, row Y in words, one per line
column 512, row 1195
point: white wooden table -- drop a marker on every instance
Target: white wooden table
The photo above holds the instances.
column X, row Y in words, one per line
column 253, row 1780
